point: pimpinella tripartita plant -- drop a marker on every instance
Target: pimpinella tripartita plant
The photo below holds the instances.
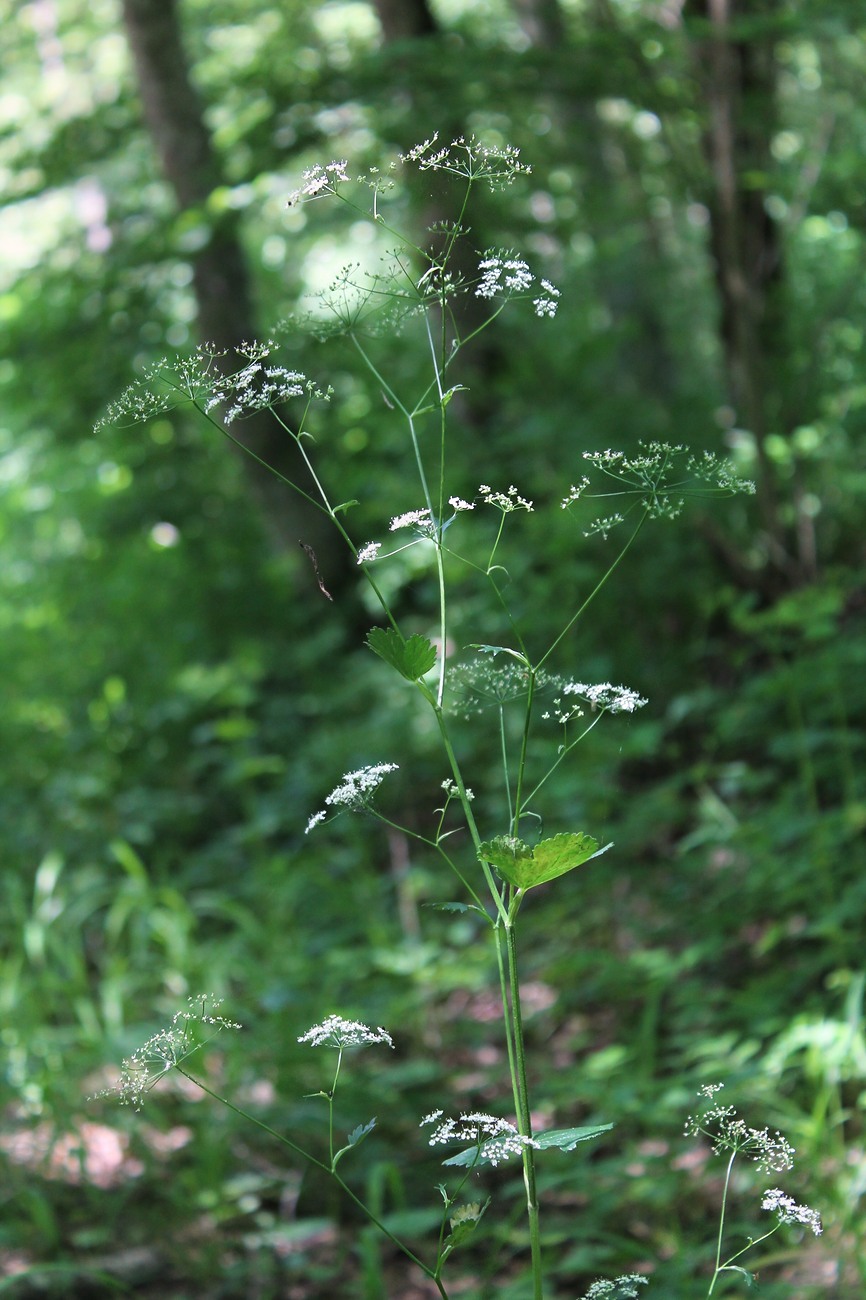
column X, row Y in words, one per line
column 528, row 676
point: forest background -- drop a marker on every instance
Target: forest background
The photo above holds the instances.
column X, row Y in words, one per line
column 179, row 693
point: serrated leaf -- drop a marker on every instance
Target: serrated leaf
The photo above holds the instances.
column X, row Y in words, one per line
column 525, row 868
column 356, row 1137
column 412, row 658
column 566, row 1139
column 505, row 852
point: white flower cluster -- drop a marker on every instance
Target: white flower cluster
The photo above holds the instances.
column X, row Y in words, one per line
column 505, row 501
column 168, row 1047
column 727, row 1132
column 503, row 275
column 354, row 791
column 789, row 1211
column 496, row 1139
column 420, row 519
column 200, row 380
column 547, row 303
column 319, row 180
column 602, row 695
column 368, row 552
column 458, row 504
column 257, row 387
column 334, row 1031
column 450, row 788
column 605, row 525
column 470, row 159
column 516, row 272
column 575, row 492
column 621, row 1288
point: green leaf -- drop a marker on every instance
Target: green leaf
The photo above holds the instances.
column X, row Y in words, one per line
column 412, row 658
column 525, row 867
column 566, row 1139
column 446, row 397
column 356, row 1137
column 463, row 1223
column 505, row 852
column 345, row 506
column 470, row 1157
column 495, row 650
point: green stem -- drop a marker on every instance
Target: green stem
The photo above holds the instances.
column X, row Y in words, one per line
column 330, row 1096
column 718, row 1267
column 592, row 595
column 524, row 1118
column 524, row 744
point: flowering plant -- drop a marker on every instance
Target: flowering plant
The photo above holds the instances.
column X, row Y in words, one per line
column 430, row 284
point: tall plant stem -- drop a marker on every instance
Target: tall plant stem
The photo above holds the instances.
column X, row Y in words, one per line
column 524, row 1117
column 718, row 1267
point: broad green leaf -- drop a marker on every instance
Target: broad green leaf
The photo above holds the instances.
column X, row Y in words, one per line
column 412, row 658
column 525, row 867
column 566, row 1139
column 505, row 852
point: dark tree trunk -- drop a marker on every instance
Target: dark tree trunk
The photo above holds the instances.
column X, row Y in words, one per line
column 736, row 61
column 173, row 113
column 404, row 20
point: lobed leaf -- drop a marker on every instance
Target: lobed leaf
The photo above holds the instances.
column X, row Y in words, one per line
column 412, row 658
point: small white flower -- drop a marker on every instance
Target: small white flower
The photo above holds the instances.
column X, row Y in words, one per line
column 334, row 1031
column 727, row 1132
column 602, row 695
column 496, row 1139
column 314, row 821
column 457, row 503
column 412, row 519
column 505, row 501
column 789, row 1211
column 356, row 788
column 575, row 492
column 621, row 1288
column 319, row 180
column 369, row 552
column 547, row 304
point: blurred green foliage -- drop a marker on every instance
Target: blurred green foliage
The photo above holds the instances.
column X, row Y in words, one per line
column 178, row 694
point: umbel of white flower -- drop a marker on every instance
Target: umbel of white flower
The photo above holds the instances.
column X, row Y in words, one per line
column 355, row 790
column 496, row 1139
column 334, row 1031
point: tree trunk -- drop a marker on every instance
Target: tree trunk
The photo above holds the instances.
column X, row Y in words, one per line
column 737, row 65
column 173, row 113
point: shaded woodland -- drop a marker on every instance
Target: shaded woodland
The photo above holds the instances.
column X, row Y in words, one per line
column 183, row 682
